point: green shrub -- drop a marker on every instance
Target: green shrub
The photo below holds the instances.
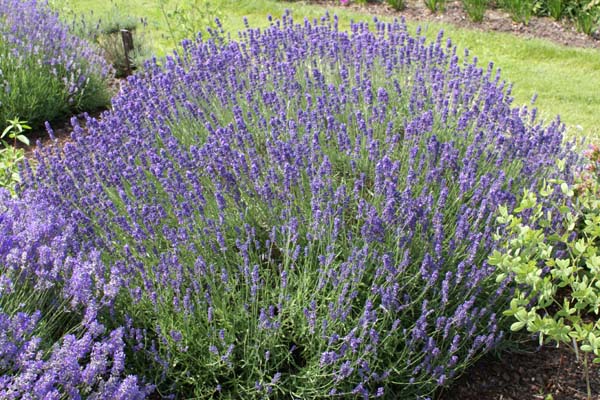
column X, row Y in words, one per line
column 584, row 13
column 15, row 131
column 10, row 156
column 553, row 255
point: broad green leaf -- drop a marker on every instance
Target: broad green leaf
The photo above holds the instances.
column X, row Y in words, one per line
column 580, row 246
column 567, row 191
column 23, row 139
column 517, row 326
column 586, row 347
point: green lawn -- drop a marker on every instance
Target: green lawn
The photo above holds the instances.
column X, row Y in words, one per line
column 567, row 80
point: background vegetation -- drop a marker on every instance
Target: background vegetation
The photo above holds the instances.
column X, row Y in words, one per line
column 585, row 14
column 564, row 79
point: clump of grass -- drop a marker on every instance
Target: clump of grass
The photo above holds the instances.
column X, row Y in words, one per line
column 475, row 9
column 435, row 5
column 555, row 9
column 520, row 11
column 397, row 5
column 588, row 20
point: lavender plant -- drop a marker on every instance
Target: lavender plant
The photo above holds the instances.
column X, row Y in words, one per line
column 45, row 72
column 89, row 366
column 300, row 213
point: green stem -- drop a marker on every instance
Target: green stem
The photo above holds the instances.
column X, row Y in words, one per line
column 587, row 377
column 168, row 22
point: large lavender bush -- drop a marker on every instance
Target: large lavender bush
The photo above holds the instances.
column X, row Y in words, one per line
column 300, row 213
column 45, row 72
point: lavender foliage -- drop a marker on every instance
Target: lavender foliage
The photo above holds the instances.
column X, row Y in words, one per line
column 303, row 211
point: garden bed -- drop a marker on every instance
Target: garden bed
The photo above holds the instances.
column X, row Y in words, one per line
column 495, row 20
column 117, row 195
column 528, row 374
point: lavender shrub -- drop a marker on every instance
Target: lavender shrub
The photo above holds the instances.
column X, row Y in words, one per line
column 45, row 72
column 300, row 213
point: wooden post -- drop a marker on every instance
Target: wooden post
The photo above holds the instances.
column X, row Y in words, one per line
column 127, row 38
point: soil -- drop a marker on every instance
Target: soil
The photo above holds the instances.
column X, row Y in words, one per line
column 545, row 373
column 533, row 373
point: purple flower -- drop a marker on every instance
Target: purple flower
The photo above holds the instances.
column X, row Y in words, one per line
column 176, row 336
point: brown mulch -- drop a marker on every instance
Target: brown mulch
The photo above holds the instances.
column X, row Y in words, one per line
column 62, row 135
column 526, row 375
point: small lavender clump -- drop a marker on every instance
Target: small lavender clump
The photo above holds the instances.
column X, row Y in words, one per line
column 46, row 72
column 303, row 211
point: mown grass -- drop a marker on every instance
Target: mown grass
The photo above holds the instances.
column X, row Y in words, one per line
column 565, row 79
